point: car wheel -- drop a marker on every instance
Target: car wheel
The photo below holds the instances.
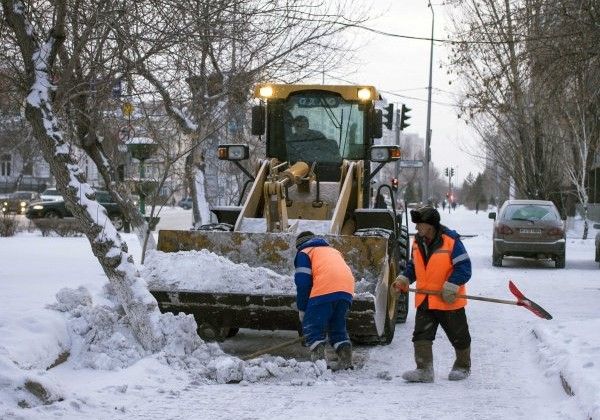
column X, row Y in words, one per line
column 559, row 261
column 497, row 260
column 117, row 221
column 52, row 215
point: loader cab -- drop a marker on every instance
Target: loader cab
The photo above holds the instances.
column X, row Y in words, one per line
column 318, row 124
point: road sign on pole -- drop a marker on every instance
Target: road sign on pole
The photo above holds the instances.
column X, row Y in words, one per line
column 127, row 108
column 410, row 163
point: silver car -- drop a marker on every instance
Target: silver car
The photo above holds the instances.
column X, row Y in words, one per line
column 529, row 229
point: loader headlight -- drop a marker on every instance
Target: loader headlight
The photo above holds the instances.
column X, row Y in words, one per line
column 38, row 207
column 385, row 153
column 233, row 152
column 364, row 94
column 265, row 91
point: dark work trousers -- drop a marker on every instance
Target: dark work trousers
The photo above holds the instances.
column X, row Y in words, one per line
column 454, row 324
column 326, row 318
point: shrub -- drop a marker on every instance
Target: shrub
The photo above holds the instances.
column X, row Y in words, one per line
column 8, row 225
column 60, row 227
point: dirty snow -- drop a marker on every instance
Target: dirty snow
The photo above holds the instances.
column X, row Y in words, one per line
column 205, row 271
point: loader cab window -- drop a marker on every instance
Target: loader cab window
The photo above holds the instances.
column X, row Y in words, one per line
column 316, row 126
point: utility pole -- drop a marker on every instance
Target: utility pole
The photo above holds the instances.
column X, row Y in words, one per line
column 425, row 196
column 398, row 129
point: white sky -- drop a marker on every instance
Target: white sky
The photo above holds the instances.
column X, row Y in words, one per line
column 401, row 66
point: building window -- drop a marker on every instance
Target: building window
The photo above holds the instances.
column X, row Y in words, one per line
column 28, row 169
column 5, row 165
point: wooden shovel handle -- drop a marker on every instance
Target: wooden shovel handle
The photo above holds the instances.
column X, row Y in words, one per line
column 485, row 299
column 272, row 348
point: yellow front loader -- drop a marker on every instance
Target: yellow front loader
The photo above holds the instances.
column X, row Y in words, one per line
column 317, row 175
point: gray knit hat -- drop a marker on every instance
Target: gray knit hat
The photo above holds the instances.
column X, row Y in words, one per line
column 302, row 237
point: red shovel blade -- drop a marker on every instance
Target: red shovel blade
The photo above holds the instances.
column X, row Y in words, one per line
column 526, row 303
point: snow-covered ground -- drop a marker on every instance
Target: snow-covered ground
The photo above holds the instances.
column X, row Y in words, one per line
column 522, row 365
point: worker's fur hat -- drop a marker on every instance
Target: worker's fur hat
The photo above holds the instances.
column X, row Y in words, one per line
column 302, row 237
column 426, row 214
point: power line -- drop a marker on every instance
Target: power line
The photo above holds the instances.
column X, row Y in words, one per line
column 389, row 92
column 455, row 41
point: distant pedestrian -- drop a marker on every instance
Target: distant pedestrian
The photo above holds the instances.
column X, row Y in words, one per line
column 443, row 204
column 325, row 287
column 477, row 207
column 438, row 262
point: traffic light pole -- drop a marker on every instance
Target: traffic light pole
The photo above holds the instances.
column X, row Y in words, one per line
column 425, row 196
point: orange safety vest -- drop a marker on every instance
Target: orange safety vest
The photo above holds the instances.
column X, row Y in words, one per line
column 432, row 277
column 330, row 273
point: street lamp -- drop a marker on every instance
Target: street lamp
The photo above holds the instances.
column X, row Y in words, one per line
column 141, row 148
column 428, row 129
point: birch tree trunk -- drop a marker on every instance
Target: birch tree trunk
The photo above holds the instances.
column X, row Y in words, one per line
column 112, row 253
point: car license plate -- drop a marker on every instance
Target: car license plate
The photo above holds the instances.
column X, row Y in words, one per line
column 531, row 231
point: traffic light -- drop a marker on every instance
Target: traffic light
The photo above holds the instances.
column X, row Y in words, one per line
column 404, row 117
column 395, row 184
column 388, row 116
column 451, row 171
column 446, row 172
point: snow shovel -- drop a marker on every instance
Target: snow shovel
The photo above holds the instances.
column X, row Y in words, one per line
column 272, row 348
column 521, row 299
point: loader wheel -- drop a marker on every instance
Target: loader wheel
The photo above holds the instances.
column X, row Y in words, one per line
column 403, row 305
column 210, row 333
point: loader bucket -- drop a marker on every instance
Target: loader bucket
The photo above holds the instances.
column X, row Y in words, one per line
column 366, row 255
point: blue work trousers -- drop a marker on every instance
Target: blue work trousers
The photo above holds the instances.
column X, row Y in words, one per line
column 324, row 319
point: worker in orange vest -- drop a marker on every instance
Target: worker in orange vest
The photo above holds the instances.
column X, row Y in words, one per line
column 439, row 262
column 325, row 287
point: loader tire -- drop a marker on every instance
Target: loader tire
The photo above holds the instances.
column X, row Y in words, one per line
column 210, row 333
column 403, row 254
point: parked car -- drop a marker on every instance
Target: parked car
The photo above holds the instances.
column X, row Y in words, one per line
column 18, row 201
column 51, row 194
column 185, row 203
column 58, row 209
column 597, row 226
column 529, row 229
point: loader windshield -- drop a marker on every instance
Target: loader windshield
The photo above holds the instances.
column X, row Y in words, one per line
column 316, row 126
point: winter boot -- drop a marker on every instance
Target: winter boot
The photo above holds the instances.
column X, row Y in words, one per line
column 462, row 366
column 424, row 360
column 344, row 353
column 317, row 351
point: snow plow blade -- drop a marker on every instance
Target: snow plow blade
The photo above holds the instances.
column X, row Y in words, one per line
column 222, row 313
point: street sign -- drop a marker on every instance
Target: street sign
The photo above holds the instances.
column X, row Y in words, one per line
column 126, row 132
column 410, row 163
column 127, row 108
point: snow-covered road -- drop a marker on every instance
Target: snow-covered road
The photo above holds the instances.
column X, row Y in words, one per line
column 515, row 373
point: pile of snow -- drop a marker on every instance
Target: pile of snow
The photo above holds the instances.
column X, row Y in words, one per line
column 567, row 351
column 101, row 339
column 204, row 271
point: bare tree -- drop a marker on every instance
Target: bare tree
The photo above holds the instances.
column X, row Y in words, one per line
column 503, row 98
column 39, row 53
column 531, row 74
